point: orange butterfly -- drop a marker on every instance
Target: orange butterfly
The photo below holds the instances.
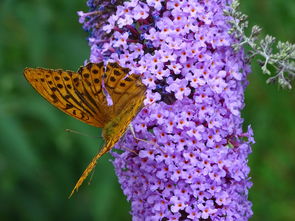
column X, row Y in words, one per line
column 85, row 94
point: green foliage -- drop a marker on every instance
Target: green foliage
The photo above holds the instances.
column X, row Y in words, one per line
column 270, row 110
column 40, row 163
column 282, row 59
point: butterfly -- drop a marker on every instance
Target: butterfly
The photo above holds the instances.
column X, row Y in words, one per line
column 99, row 95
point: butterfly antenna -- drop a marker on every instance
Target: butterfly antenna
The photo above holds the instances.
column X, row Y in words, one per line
column 82, row 134
column 92, row 172
column 91, row 176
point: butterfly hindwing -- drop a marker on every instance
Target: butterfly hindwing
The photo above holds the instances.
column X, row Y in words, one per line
column 121, row 87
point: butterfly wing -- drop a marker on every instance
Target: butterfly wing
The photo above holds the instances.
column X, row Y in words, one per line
column 122, row 89
column 81, row 95
column 78, row 94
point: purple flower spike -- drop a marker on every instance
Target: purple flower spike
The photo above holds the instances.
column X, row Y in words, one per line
column 197, row 170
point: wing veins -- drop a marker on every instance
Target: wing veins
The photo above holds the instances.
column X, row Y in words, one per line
column 80, row 107
column 122, row 94
column 92, row 101
column 95, row 93
column 76, row 103
column 85, row 102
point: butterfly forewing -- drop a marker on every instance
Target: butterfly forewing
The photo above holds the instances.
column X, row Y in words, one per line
column 92, row 83
column 65, row 90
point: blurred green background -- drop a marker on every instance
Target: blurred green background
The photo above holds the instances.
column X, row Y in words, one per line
column 39, row 162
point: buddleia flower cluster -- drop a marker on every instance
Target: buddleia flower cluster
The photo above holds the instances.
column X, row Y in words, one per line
column 193, row 164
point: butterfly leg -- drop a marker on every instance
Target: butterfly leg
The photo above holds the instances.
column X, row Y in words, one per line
column 125, row 148
column 131, row 128
column 130, row 150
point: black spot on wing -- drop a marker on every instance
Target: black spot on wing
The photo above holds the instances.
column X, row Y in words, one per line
column 114, row 65
column 128, row 79
column 117, row 73
column 94, row 71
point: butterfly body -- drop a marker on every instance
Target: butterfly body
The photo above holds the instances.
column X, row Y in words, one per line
column 119, row 124
column 84, row 95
